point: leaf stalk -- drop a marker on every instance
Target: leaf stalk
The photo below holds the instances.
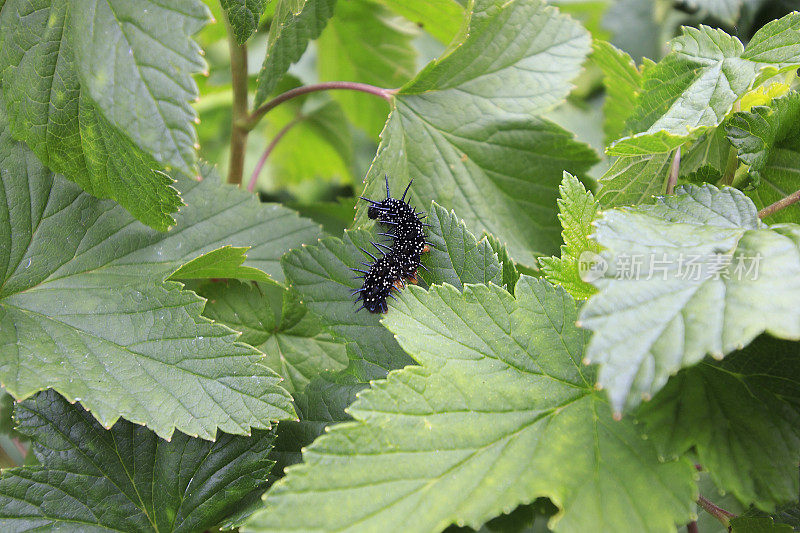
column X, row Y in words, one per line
column 250, row 122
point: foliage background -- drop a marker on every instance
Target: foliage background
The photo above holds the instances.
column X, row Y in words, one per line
column 272, row 336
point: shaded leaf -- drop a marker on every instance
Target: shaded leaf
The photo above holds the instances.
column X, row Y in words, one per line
column 243, row 16
column 697, row 273
column 500, row 413
column 510, row 272
column 467, row 131
column 758, row 525
column 622, row 81
column 365, row 43
column 273, row 320
column 440, row 18
column 295, row 23
column 578, row 210
column 125, row 479
column 766, row 139
column 729, row 412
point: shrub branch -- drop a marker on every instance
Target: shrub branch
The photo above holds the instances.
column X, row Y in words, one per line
column 239, row 81
column 780, row 204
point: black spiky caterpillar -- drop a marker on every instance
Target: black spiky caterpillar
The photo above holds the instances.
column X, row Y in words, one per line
column 398, row 262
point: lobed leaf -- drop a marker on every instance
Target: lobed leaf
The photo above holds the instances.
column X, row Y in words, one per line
column 766, row 140
column 322, row 275
column 55, row 84
column 729, row 412
column 85, row 310
column 697, row 273
column 500, row 413
column 622, row 81
column 125, row 478
column 272, row 319
column 468, row 131
column 578, row 210
column 695, row 86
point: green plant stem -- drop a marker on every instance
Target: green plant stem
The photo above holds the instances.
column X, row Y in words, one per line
column 263, row 159
column 238, row 55
column 251, row 121
column 780, row 204
column 717, row 512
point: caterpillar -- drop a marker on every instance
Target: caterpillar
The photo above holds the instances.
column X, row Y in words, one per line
column 398, row 262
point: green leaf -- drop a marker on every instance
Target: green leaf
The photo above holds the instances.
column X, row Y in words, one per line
column 634, row 179
column 456, row 256
column 335, row 217
column 318, row 143
column 510, row 272
column 696, row 85
column 727, row 11
column 84, row 308
column 273, row 320
column 766, row 139
column 365, row 43
column 711, row 150
column 578, row 210
column 125, row 479
column 440, row 18
column 225, row 262
column 729, row 412
column 295, row 23
column 243, row 16
column 696, row 273
column 622, row 81
column 500, row 413
column 322, row 275
column 468, row 132
column 147, row 45
column 758, row 525
column 777, row 42
column 112, row 150
column 61, row 123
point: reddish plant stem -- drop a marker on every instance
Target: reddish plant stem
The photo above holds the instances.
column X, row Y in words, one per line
column 239, row 81
column 270, row 147
column 780, row 204
column 717, row 512
column 691, row 527
column 20, row 447
column 250, row 122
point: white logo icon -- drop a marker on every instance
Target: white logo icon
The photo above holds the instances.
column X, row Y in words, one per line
column 591, row 266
